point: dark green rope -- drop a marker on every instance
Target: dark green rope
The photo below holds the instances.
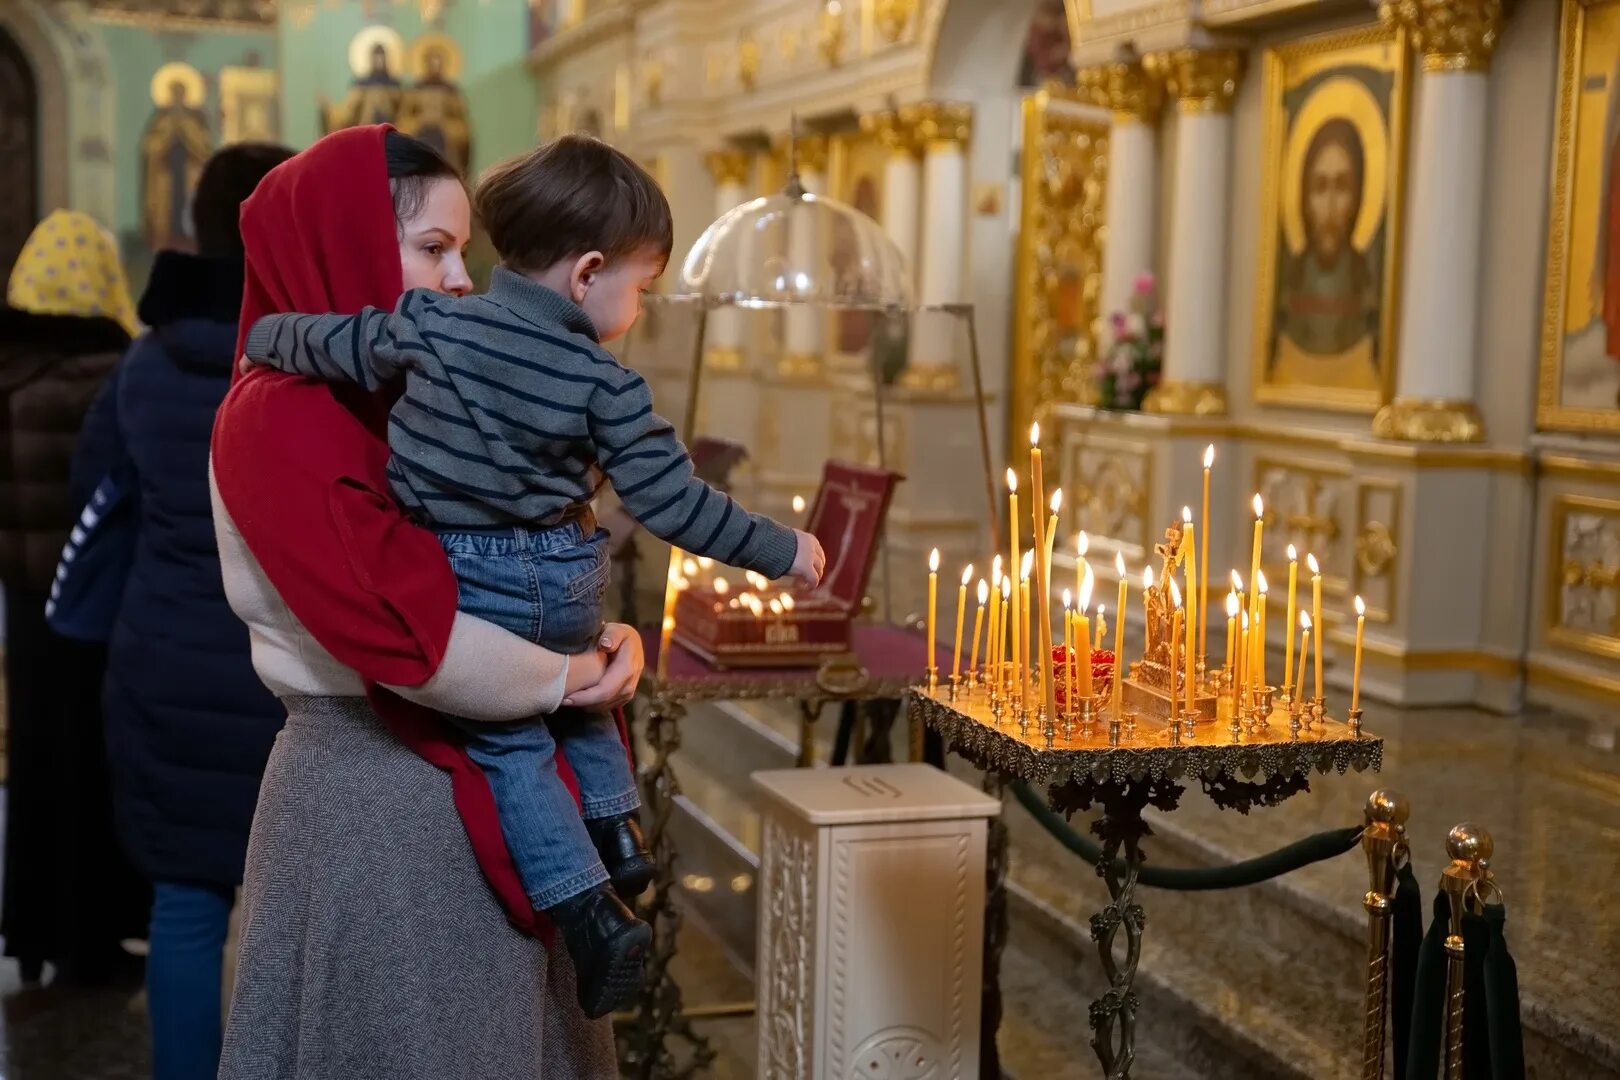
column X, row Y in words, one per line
column 1314, row 848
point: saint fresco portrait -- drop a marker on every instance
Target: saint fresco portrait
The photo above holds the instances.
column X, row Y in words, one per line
column 376, row 56
column 1580, row 362
column 1325, row 308
column 434, row 109
column 174, row 147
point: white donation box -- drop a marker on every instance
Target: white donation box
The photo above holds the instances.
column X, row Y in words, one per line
column 871, row 924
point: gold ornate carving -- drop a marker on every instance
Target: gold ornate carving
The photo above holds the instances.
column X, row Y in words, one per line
column 1377, row 547
column 1305, row 506
column 801, row 366
column 1112, row 484
column 897, row 133
column 729, row 166
column 788, row 923
column 938, row 377
column 1418, row 420
column 652, row 83
column 831, row 30
column 1059, row 257
column 940, row 125
column 1175, row 397
column 787, row 43
column 1125, row 88
column 1202, row 80
column 718, row 359
column 1452, row 35
column 810, row 150
column 748, row 61
column 1583, row 609
column 892, row 17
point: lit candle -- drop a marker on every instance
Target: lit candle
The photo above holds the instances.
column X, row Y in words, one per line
column 1304, row 644
column 1288, row 633
column 1068, row 649
column 1082, row 633
column 1243, row 652
column 798, row 504
column 1119, row 633
column 1041, row 642
column 1082, row 545
column 1002, row 632
column 1254, row 563
column 933, row 591
column 1232, row 603
column 1195, row 602
column 1260, row 633
column 1238, row 666
column 990, row 650
column 721, row 586
column 667, row 628
column 1013, row 609
column 1022, row 630
column 1203, row 568
column 961, row 613
column 1175, row 640
column 1355, row 678
column 1316, row 614
column 1056, row 504
column 1102, row 625
column 978, row 626
column 1147, row 615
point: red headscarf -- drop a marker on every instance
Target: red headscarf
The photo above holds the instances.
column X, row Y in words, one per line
column 299, row 465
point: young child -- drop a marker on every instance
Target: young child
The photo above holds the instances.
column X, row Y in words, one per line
column 512, row 413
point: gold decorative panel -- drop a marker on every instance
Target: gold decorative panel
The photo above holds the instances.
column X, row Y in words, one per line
column 1584, row 576
column 1059, row 259
column 1373, row 572
column 1307, row 506
column 1111, row 482
column 854, row 434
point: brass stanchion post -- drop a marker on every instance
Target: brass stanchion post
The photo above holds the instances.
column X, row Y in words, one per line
column 1384, row 842
column 1470, row 848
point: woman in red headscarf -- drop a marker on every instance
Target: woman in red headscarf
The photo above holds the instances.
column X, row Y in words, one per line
column 370, row 947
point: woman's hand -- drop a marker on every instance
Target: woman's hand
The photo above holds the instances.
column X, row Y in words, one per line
column 622, row 647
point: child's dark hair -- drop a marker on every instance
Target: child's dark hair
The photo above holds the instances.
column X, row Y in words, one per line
column 573, row 195
column 412, row 166
column 228, row 177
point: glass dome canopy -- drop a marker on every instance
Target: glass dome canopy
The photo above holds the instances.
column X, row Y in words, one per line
column 795, row 248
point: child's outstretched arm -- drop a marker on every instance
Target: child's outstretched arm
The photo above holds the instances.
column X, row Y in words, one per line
column 652, row 474
column 367, row 349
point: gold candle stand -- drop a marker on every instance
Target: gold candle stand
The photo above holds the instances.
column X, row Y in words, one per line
column 1470, row 848
column 1383, row 840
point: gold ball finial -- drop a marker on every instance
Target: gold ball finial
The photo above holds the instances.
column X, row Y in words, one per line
column 1469, row 843
column 1388, row 807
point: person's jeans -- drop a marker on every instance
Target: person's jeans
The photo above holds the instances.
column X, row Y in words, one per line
column 184, row 968
column 547, row 586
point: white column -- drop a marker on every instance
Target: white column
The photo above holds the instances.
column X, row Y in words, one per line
column 1133, row 96
column 902, row 182
column 1434, row 399
column 731, row 170
column 1204, row 83
column 805, row 328
column 944, row 130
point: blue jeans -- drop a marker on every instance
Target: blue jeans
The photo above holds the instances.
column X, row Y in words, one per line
column 546, row 585
column 183, row 973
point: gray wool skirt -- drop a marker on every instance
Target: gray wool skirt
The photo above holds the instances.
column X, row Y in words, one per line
column 371, row 948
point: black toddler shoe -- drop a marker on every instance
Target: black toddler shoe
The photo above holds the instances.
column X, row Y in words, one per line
column 608, row 945
column 624, row 853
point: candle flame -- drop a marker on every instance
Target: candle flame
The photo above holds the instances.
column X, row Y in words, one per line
column 1260, row 583
column 984, row 592
column 995, row 569
column 787, row 602
column 757, row 580
column 1305, row 619
column 1101, row 610
column 1119, row 563
column 1245, row 620
column 776, row 607
column 1035, row 434
column 1147, row 577
column 1175, row 594
column 1237, row 582
column 1361, row 608
column 1209, row 455
column 798, row 504
column 1087, row 583
column 1029, row 561
column 690, row 568
column 706, row 563
column 1310, row 561
column 1259, row 507
column 674, row 571
column 933, row 561
column 1012, row 481
column 722, row 586
column 1068, row 600
column 669, row 623
column 967, row 575
column 1006, row 587
column 1082, row 543
column 1293, row 555
column 1057, row 500
column 1186, row 515
column 1231, row 605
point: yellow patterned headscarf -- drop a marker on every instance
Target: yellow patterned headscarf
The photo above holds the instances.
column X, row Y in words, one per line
column 70, row 267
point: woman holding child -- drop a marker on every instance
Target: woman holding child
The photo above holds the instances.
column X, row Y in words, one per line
column 371, row 947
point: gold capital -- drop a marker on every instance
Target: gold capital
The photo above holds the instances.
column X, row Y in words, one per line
column 810, row 148
column 1202, row 80
column 1174, row 397
column 1452, row 35
column 748, row 62
column 895, row 132
column 1426, row 421
column 940, row 125
column 1125, row 88
column 729, row 166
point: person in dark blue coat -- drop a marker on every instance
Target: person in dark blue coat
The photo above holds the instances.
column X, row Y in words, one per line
column 189, row 724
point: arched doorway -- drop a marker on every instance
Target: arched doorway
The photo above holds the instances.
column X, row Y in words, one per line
column 19, row 149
